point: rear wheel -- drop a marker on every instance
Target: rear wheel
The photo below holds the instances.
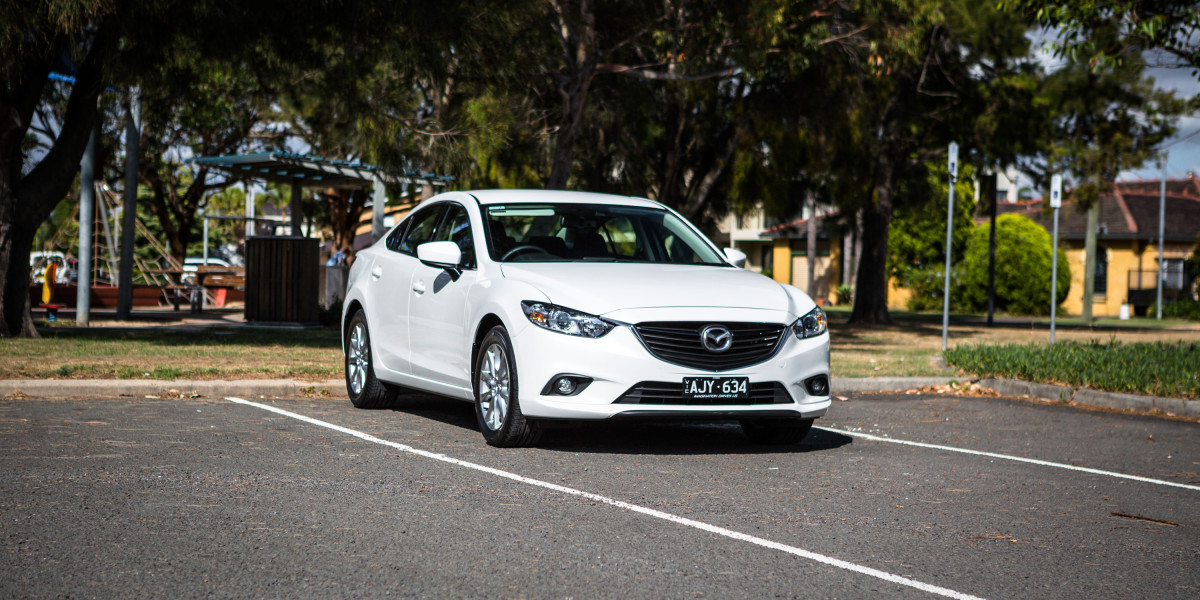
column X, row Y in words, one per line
column 777, row 432
column 364, row 389
column 497, row 408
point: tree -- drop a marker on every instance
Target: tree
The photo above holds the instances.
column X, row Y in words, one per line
column 1100, row 121
column 916, row 250
column 922, row 77
column 34, row 41
column 1023, row 257
column 224, row 105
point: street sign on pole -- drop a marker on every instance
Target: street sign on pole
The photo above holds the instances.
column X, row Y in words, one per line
column 953, row 164
column 1056, row 204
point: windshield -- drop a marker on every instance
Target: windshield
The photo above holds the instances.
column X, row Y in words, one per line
column 593, row 233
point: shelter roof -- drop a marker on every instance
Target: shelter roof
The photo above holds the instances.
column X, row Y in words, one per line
column 315, row 171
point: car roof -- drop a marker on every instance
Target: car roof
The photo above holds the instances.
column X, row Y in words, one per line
column 487, row 197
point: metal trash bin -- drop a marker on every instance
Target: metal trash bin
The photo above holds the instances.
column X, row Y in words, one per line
column 282, row 275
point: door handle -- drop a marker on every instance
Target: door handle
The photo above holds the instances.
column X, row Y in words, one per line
column 377, row 272
column 419, row 287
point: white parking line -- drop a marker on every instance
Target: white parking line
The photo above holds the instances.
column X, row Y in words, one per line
column 1032, row 461
column 821, row 558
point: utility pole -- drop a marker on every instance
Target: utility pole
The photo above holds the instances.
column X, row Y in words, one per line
column 1162, row 211
column 811, row 248
column 987, row 187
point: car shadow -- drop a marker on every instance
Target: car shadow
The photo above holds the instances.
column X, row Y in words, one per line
column 626, row 437
column 674, row 438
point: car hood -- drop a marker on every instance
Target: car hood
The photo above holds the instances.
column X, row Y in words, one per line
column 603, row 288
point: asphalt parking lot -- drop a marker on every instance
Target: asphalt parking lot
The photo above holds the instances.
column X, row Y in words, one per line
column 894, row 496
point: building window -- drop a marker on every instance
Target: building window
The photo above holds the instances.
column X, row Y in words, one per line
column 800, row 247
column 768, row 259
column 1172, row 273
column 1100, row 285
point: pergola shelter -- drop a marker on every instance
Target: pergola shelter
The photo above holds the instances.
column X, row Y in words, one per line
column 282, row 273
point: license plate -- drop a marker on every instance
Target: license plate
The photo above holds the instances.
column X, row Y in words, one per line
column 716, row 388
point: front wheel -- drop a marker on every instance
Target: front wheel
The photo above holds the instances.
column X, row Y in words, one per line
column 777, row 432
column 364, row 389
column 497, row 407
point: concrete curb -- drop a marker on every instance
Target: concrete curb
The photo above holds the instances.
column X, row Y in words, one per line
column 336, row 388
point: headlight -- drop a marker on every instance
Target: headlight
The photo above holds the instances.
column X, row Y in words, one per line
column 812, row 324
column 565, row 320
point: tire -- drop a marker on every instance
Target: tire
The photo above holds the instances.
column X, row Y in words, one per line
column 777, row 432
column 497, row 408
column 364, row 389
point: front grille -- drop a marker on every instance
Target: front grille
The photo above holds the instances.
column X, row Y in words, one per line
column 679, row 343
column 666, row 392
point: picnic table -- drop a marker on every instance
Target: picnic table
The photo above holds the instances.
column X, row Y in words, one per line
column 197, row 282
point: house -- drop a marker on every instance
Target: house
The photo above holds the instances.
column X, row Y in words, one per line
column 1127, row 260
column 780, row 250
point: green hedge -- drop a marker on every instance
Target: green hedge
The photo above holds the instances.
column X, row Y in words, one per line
column 1183, row 309
column 1156, row 369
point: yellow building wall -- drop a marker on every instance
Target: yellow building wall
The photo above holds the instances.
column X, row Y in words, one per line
column 1122, row 258
column 783, row 261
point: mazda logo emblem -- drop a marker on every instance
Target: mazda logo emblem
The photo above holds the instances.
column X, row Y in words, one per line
column 716, row 338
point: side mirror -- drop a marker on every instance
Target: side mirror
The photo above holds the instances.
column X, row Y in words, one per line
column 441, row 255
column 737, row 257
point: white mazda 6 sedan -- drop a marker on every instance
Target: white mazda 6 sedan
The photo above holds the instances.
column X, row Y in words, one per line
column 548, row 305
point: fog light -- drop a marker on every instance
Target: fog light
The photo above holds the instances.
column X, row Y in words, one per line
column 564, row 386
column 817, row 386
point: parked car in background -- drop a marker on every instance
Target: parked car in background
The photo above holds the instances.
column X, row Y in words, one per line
column 543, row 305
column 191, row 264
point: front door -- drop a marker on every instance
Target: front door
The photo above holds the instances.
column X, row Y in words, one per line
column 439, row 310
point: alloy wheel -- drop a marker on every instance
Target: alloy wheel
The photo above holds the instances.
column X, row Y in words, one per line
column 494, row 384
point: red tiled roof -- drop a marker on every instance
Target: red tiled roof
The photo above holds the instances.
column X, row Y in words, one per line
column 1130, row 211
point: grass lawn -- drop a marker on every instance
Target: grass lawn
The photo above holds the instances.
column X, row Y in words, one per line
column 911, row 347
column 155, row 353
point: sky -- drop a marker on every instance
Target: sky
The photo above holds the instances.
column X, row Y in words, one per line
column 1183, row 148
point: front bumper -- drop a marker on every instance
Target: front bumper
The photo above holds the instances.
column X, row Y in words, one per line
column 618, row 362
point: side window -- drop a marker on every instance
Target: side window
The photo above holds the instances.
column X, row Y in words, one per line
column 393, row 238
column 457, row 228
column 420, row 229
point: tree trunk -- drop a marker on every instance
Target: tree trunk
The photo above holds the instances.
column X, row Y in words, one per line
column 1089, row 262
column 577, row 34
column 870, row 295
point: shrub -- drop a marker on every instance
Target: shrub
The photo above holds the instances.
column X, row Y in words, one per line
column 1023, row 256
column 845, row 295
column 1183, row 309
